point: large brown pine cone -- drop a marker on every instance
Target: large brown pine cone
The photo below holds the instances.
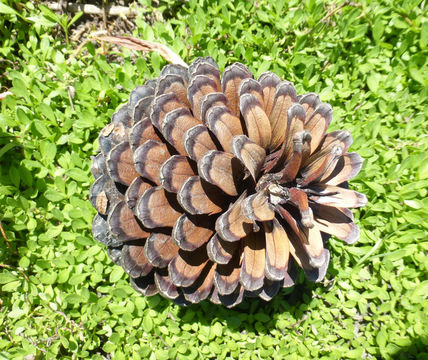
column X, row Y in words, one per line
column 219, row 188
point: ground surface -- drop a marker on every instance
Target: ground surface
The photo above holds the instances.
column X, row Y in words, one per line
column 61, row 297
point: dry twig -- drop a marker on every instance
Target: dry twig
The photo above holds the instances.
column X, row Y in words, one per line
column 4, row 94
column 144, row 45
column 71, row 93
column 113, row 10
column 6, row 239
column 19, row 270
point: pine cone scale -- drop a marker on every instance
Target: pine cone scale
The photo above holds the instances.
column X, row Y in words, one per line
column 123, row 224
column 233, row 225
column 253, row 261
column 174, row 126
column 175, row 84
column 223, row 170
column 160, row 249
column 149, row 158
column 233, row 75
column 284, row 97
column 224, row 125
column 277, row 250
column 221, row 251
column 142, row 131
column 199, row 86
column 347, row 167
column 251, row 155
column 226, row 278
column 318, row 123
column 135, row 190
column 202, row 288
column 120, row 164
column 186, row 266
column 156, row 209
column 309, row 102
column 194, row 199
column 134, row 261
column 190, row 233
column 165, row 286
column 174, row 172
column 161, row 106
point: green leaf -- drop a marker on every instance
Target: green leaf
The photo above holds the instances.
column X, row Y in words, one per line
column 47, row 111
column 4, row 9
column 78, row 175
column 41, row 20
column 11, row 286
column 378, row 29
column 77, row 279
column 48, row 151
column 147, row 323
column 7, row 147
column 116, row 274
column 48, row 278
column 109, row 347
column 49, row 13
column 74, row 299
column 7, row 277
column 217, row 329
column 54, row 231
column 42, row 128
column 373, row 82
column 381, row 338
column 375, row 186
column 75, row 18
column 54, row 195
column 424, row 35
column 19, row 87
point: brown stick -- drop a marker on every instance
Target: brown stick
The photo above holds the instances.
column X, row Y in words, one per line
column 19, row 270
column 71, row 91
column 144, row 45
column 6, row 239
column 114, row 10
column 3, row 95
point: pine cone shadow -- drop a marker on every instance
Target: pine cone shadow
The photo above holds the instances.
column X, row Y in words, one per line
column 254, row 314
column 15, row 175
column 416, row 350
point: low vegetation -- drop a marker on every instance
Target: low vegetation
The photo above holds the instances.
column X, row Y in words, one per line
column 61, row 296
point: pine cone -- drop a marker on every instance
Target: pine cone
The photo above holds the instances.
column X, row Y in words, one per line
column 219, row 188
